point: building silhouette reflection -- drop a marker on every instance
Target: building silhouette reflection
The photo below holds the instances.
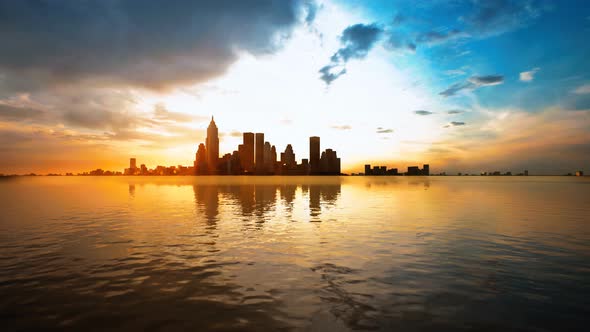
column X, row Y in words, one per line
column 207, row 202
column 259, row 202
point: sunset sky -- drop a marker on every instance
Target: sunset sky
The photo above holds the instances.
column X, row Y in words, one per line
column 463, row 85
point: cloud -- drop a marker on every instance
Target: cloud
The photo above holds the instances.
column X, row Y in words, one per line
column 356, row 40
column 12, row 113
column 397, row 42
column 161, row 113
column 582, row 89
column 342, row 127
column 456, row 88
column 455, row 111
column 487, row 80
column 138, row 43
column 423, row 112
column 439, row 37
column 381, row 130
column 455, row 72
column 235, row 133
column 473, row 83
column 328, row 76
column 454, row 124
column 528, row 76
column 491, row 18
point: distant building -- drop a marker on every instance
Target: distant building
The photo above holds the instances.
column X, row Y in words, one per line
column 368, row 169
column 212, row 146
column 314, row 155
column 526, row 172
column 426, row 169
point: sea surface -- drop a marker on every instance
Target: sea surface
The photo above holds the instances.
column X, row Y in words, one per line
column 295, row 253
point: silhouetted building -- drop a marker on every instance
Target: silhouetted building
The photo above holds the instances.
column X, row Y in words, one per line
column 247, row 157
column 212, row 146
column 425, row 169
column 200, row 164
column 526, row 172
column 314, row 155
column 413, row 170
column 329, row 163
column 368, row 169
column 267, row 158
column 288, row 157
column 259, row 153
column 132, row 170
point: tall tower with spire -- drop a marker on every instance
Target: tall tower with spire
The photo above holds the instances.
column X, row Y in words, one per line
column 212, row 146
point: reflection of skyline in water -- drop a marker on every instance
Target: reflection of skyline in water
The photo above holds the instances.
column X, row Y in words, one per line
column 259, row 201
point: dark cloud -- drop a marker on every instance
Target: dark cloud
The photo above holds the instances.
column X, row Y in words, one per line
column 486, row 80
column 499, row 16
column 328, row 76
column 381, row 130
column 423, row 112
column 12, row 113
column 474, row 82
column 356, row 40
column 455, row 111
column 138, row 43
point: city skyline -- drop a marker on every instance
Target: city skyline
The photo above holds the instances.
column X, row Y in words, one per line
column 254, row 156
column 391, row 83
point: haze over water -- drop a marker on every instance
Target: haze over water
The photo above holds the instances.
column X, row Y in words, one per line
column 302, row 253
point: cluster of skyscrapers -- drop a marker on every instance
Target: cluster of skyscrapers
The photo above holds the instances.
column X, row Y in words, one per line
column 255, row 156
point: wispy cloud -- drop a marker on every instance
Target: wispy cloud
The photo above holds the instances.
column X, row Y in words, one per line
column 582, row 89
column 528, row 76
column 454, row 124
column 381, row 130
column 341, row 127
column 473, row 83
column 455, row 112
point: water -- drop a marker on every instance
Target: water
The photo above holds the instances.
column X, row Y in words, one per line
column 295, row 253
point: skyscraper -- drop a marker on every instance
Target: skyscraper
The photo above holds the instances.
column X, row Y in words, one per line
column 200, row 163
column 314, row 155
column 259, row 153
column 288, row 157
column 248, row 153
column 212, row 146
